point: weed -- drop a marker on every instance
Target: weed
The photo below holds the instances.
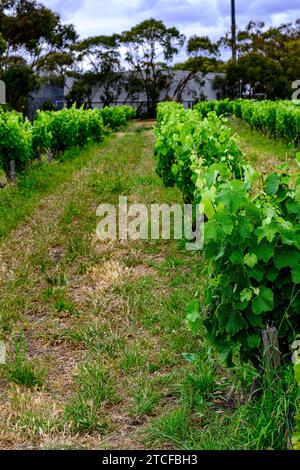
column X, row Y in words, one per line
column 132, row 359
column 173, row 428
column 82, row 416
column 85, row 411
column 144, row 400
column 23, row 371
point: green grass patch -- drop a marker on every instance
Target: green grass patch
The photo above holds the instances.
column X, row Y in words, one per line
column 85, row 411
column 23, row 371
column 39, row 180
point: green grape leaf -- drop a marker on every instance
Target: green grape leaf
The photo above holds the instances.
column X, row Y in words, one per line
column 272, row 274
column 272, row 183
column 211, row 231
column 264, row 302
column 235, row 323
column 209, row 210
column 233, row 195
column 174, row 169
column 237, row 257
column 226, row 223
column 253, row 341
column 286, row 257
column 250, row 260
column 264, row 251
column 246, row 295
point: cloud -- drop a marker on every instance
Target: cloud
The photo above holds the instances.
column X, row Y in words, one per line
column 64, row 8
column 268, row 7
column 180, row 11
column 202, row 17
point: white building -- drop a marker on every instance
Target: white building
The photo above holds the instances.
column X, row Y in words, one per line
column 196, row 87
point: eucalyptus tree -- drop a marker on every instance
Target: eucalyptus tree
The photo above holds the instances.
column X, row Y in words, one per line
column 203, row 57
column 33, row 42
column 101, row 75
column 267, row 62
column 149, row 50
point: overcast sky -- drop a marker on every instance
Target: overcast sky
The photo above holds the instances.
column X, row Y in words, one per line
column 211, row 17
column 202, row 17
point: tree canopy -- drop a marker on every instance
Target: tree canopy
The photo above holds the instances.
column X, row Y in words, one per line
column 268, row 60
column 33, row 42
column 150, row 47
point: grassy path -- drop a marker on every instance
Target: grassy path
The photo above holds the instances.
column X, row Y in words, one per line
column 103, row 322
column 96, row 331
column 261, row 151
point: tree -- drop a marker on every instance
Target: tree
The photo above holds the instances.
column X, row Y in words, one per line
column 204, row 58
column 268, row 60
column 2, row 45
column 291, row 62
column 35, row 42
column 254, row 75
column 269, row 42
column 150, row 47
column 81, row 91
column 20, row 82
column 202, row 46
column 34, row 33
column 104, row 70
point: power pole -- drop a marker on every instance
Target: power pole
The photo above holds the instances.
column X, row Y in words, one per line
column 233, row 30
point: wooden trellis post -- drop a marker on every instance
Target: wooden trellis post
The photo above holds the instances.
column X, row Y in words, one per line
column 12, row 170
column 271, row 347
column 38, row 154
column 49, row 155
